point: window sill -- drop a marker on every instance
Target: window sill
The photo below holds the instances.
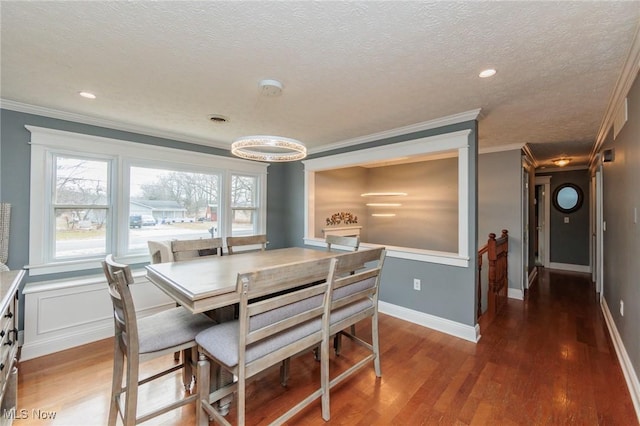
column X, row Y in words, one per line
column 429, row 256
column 80, row 265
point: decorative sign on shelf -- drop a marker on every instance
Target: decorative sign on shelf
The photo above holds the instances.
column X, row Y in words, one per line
column 342, row 218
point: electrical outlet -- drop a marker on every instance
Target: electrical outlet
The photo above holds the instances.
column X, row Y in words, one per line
column 622, row 308
column 416, row 284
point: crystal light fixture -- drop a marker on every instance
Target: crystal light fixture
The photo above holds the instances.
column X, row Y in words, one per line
column 268, row 148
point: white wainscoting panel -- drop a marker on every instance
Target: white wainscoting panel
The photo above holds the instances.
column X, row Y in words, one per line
column 62, row 314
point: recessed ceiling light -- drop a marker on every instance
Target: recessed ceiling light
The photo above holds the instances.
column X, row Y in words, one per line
column 487, row 73
column 87, row 95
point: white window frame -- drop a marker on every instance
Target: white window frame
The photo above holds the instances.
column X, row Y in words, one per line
column 257, row 203
column 447, row 142
column 49, row 224
column 44, row 142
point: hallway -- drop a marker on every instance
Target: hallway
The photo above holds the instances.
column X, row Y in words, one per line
column 561, row 367
column 547, row 360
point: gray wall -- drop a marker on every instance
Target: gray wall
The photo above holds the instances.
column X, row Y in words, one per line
column 569, row 241
column 447, row 291
column 622, row 237
column 15, row 157
column 499, row 205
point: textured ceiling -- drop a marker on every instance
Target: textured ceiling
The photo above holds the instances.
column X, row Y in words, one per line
column 349, row 69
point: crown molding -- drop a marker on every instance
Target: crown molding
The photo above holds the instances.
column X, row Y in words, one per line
column 529, row 154
column 561, row 169
column 620, row 91
column 101, row 122
column 501, row 148
column 426, row 125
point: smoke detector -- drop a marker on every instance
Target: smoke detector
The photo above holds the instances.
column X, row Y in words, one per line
column 270, row 88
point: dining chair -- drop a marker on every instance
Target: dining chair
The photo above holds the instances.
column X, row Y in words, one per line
column 160, row 251
column 251, row 240
column 353, row 244
column 281, row 315
column 354, row 299
column 189, row 249
column 140, row 339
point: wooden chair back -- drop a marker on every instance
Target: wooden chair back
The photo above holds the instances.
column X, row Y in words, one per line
column 284, row 310
column 119, row 278
column 362, row 282
column 270, row 304
column 189, row 249
column 354, row 298
column 337, row 240
column 251, row 240
column 160, row 251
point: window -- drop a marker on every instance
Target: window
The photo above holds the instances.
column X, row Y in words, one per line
column 80, row 206
column 567, row 198
column 244, row 205
column 168, row 204
column 111, row 196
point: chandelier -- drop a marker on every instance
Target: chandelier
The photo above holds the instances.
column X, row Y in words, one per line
column 268, row 148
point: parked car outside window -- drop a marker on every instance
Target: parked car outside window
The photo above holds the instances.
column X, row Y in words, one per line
column 148, row 220
column 135, row 221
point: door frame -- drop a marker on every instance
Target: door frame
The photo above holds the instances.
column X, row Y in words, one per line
column 527, row 169
column 598, row 246
column 545, row 215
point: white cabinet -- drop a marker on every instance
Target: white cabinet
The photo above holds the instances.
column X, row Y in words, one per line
column 9, row 284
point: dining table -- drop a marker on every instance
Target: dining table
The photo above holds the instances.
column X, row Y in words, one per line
column 209, row 282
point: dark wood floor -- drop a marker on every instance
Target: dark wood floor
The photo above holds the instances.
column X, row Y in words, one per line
column 545, row 361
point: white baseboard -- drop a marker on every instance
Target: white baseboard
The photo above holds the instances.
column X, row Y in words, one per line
column 570, row 267
column 629, row 372
column 456, row 329
column 515, row 293
column 43, row 346
column 63, row 314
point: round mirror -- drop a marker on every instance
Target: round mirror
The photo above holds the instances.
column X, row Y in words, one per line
column 567, row 198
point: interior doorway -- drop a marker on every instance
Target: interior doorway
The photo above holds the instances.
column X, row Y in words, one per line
column 542, row 212
column 527, row 173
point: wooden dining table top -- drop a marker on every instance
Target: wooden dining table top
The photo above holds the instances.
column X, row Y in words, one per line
column 209, row 282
